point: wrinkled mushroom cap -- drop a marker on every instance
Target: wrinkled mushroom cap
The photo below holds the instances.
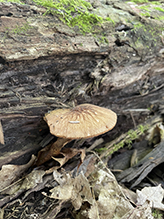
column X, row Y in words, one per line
column 83, row 121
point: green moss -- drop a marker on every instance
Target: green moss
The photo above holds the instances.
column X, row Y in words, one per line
column 130, row 137
column 139, row 1
column 145, row 7
column 21, row 29
column 138, row 25
column 155, row 3
column 159, row 9
column 102, row 39
column 73, row 13
column 109, row 19
column 160, row 18
column 146, row 14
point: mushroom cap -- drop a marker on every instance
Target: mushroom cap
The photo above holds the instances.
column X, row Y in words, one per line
column 82, row 121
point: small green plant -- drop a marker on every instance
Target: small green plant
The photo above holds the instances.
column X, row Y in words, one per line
column 128, row 139
column 156, row 214
column 142, row 128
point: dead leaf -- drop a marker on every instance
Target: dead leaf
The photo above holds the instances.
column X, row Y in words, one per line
column 104, row 195
column 93, row 212
column 32, row 179
column 50, row 150
column 110, row 197
column 1, row 134
column 140, row 212
column 67, row 154
column 10, row 173
column 156, row 134
column 152, row 194
column 77, row 190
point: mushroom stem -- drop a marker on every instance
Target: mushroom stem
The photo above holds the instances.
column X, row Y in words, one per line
column 51, row 150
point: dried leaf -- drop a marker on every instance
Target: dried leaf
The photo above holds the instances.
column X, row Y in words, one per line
column 93, row 213
column 32, row 179
column 156, row 134
column 109, row 193
column 77, row 190
column 109, row 202
column 1, row 134
column 50, row 150
column 68, row 153
column 141, row 212
column 152, row 194
column 10, row 173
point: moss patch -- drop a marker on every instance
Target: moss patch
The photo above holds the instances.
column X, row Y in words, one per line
column 159, row 9
column 73, row 13
column 127, row 141
column 139, row 1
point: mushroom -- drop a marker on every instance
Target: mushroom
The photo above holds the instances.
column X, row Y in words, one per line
column 82, row 121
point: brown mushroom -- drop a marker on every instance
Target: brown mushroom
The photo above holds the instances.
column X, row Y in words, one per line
column 83, row 121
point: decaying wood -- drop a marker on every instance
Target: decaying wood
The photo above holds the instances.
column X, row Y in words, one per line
column 137, row 173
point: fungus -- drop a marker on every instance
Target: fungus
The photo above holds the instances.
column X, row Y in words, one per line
column 82, row 121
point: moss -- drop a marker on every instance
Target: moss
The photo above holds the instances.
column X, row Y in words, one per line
column 21, row 29
column 145, row 35
column 146, row 14
column 160, row 18
column 139, row 1
column 130, row 137
column 155, row 3
column 159, row 9
column 73, row 13
column 110, row 19
column 145, row 7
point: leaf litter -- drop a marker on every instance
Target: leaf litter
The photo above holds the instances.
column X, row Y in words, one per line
column 97, row 196
column 92, row 192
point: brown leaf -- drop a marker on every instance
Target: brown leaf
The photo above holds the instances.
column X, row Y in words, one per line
column 68, row 153
column 1, row 134
column 50, row 150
